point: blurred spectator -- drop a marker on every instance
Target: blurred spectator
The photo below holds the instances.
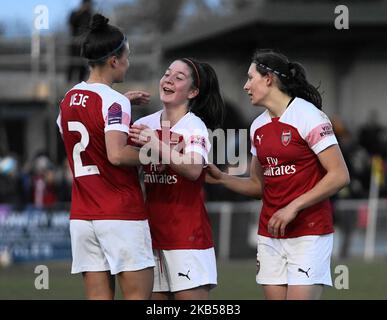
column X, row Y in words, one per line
column 9, row 180
column 358, row 162
column 79, row 21
column 44, row 191
column 65, row 179
column 372, row 135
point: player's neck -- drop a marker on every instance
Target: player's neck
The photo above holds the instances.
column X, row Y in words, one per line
column 173, row 114
column 277, row 104
column 99, row 77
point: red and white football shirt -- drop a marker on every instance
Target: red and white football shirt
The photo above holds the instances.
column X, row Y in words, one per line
column 100, row 190
column 177, row 216
column 287, row 148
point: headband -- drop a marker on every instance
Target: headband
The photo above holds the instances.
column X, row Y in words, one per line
column 259, row 64
column 110, row 53
column 196, row 70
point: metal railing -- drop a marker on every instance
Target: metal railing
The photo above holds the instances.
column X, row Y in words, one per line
column 353, row 211
column 19, row 230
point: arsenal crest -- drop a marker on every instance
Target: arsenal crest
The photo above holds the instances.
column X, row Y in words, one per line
column 286, row 137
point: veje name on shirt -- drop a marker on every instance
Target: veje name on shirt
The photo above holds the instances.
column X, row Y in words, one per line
column 78, row 99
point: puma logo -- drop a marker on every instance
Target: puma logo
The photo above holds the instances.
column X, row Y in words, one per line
column 184, row 275
column 303, row 271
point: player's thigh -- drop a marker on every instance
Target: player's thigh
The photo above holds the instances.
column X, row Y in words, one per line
column 162, row 296
column 308, row 292
column 198, row 293
column 275, row 292
column 99, row 285
column 136, row 285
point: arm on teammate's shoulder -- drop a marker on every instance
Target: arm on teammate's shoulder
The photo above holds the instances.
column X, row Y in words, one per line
column 336, row 178
column 189, row 165
column 250, row 186
column 119, row 153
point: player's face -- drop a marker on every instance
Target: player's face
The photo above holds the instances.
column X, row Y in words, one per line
column 122, row 65
column 256, row 85
column 176, row 84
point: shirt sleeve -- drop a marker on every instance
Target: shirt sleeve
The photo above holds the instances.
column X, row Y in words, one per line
column 317, row 131
column 117, row 115
column 59, row 122
column 197, row 141
column 253, row 149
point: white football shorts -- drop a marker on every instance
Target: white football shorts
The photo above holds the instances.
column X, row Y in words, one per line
column 115, row 245
column 178, row 270
column 294, row 261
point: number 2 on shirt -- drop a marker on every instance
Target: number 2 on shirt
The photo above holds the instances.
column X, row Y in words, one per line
column 79, row 169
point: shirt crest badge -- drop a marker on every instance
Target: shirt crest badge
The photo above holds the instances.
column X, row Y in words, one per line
column 286, row 137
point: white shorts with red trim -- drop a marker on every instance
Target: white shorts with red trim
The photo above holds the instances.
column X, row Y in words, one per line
column 294, row 261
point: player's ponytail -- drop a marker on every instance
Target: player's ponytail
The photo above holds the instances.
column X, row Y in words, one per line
column 98, row 23
column 208, row 105
column 298, row 86
column 291, row 76
column 102, row 41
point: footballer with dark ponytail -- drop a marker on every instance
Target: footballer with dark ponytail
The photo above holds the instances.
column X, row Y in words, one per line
column 108, row 219
column 179, row 222
column 296, row 165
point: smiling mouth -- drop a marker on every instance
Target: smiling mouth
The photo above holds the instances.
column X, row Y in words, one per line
column 168, row 91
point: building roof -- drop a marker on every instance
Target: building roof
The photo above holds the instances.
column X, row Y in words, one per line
column 305, row 23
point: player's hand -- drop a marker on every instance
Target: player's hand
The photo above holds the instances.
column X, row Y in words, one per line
column 138, row 98
column 213, row 174
column 280, row 219
column 142, row 134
